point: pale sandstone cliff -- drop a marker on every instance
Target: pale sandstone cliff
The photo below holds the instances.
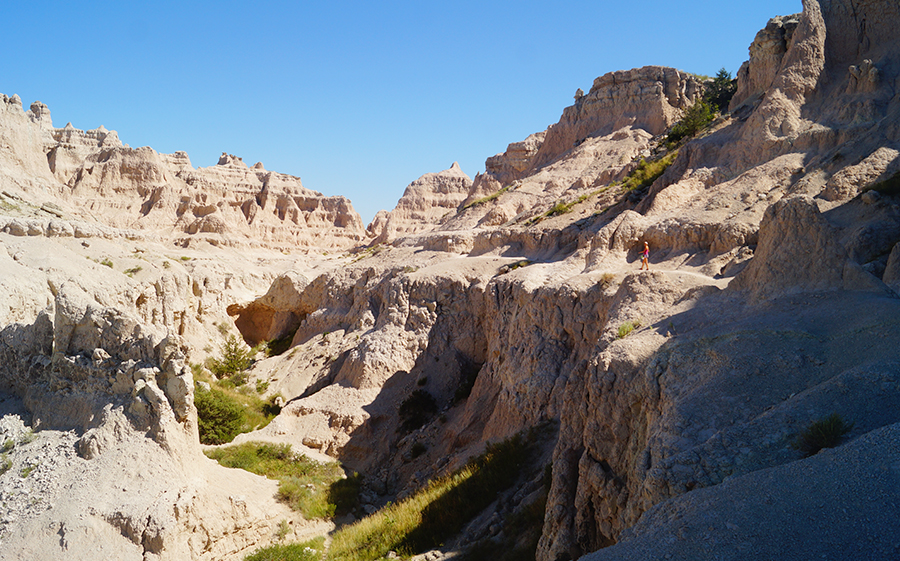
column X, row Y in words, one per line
column 770, row 303
column 424, row 204
column 92, row 176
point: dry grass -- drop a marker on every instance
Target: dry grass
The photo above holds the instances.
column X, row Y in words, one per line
column 436, row 512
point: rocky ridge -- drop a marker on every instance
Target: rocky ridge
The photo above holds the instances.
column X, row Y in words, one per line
column 675, row 395
column 425, row 202
column 92, row 176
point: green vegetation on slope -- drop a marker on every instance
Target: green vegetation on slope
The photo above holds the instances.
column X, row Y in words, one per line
column 647, row 172
column 317, row 490
column 436, row 512
column 306, row 551
column 224, row 411
column 488, row 198
column 824, row 433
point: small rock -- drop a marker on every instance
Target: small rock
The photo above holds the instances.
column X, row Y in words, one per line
column 871, row 197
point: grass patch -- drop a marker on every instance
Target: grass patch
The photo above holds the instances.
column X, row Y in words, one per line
column 5, row 463
column 436, row 512
column 369, row 252
column 306, row 551
column 107, row 263
column 317, row 490
column 626, row 328
column 647, row 172
column 824, row 433
column 487, row 199
column 132, row 271
column 562, row 207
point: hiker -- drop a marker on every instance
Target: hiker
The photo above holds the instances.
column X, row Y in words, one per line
column 645, row 257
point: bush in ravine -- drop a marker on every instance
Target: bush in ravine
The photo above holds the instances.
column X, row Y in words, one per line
column 235, row 359
column 219, row 417
column 824, row 433
column 695, row 119
column 416, row 410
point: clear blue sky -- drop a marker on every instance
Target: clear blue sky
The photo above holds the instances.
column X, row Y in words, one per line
column 356, row 98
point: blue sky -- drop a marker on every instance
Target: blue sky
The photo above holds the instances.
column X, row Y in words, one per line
column 356, row 98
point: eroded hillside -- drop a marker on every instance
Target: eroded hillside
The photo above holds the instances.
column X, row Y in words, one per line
column 673, row 398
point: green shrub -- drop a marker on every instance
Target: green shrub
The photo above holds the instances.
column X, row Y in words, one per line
column 224, row 412
column 647, row 171
column 824, row 433
column 284, row 528
column 278, row 346
column 306, row 551
column 720, row 91
column 5, row 463
column 132, row 271
column 695, row 119
column 235, row 359
column 628, row 327
column 416, row 410
column 107, row 263
column 219, row 417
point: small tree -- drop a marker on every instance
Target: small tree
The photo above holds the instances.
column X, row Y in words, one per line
column 695, row 119
column 219, row 418
column 720, row 91
column 235, row 359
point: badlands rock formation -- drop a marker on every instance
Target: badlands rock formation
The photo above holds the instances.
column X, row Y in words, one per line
column 92, row 176
column 426, row 202
column 674, row 397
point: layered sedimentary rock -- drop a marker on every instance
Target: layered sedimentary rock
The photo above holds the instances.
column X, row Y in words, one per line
column 424, row 204
column 771, row 266
column 96, row 341
column 673, row 394
column 94, row 176
column 597, row 140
